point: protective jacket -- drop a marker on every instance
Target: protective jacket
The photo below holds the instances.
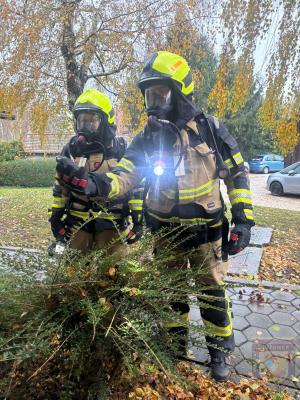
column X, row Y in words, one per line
column 76, row 209
column 193, row 194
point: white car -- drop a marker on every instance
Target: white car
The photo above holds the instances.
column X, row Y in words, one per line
column 285, row 181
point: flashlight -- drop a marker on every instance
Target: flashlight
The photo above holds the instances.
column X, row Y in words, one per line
column 159, row 167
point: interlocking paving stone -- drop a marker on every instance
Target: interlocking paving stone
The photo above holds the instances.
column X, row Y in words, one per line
column 259, row 320
column 296, row 303
column 283, row 306
column 253, row 333
column 240, row 323
column 285, row 332
column 282, row 318
column 296, row 314
column 244, row 368
column 247, row 350
column 260, row 236
column 246, row 262
column 200, row 354
column 236, row 357
column 283, row 295
column 261, row 308
column 296, row 328
column 240, row 310
column 239, row 337
column 270, row 326
column 195, row 314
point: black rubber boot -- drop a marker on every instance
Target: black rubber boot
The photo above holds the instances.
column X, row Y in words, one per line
column 220, row 368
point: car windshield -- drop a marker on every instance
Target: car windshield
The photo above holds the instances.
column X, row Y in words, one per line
column 289, row 168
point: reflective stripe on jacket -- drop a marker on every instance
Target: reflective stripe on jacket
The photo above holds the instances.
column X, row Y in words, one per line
column 194, row 195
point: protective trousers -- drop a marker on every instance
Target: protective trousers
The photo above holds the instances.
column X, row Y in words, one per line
column 210, row 270
column 85, row 241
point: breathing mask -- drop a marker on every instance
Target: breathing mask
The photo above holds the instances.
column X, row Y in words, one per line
column 158, row 100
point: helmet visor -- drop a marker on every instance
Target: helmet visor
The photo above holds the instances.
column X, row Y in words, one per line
column 158, row 96
column 88, row 121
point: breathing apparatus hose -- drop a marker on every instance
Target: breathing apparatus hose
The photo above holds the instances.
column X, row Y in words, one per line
column 152, row 119
column 181, row 153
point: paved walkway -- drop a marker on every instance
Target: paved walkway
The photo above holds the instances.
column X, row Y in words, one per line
column 266, row 321
column 267, row 333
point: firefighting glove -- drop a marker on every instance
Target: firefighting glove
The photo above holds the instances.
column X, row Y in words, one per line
column 74, row 177
column 134, row 234
column 239, row 238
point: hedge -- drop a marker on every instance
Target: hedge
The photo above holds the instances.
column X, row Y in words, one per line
column 27, row 173
column 11, row 150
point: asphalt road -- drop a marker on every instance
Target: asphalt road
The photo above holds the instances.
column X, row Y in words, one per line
column 262, row 197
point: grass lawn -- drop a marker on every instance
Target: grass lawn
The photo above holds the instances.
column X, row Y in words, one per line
column 24, row 223
column 24, row 217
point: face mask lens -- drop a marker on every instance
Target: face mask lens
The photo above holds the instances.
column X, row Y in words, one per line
column 88, row 122
column 158, row 96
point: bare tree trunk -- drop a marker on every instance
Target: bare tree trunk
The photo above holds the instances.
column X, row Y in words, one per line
column 76, row 75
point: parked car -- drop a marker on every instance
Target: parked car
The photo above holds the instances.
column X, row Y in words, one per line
column 285, row 181
column 266, row 163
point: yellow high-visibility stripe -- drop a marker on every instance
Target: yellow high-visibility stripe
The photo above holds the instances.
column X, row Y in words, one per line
column 239, row 193
column 177, row 324
column 135, row 204
column 195, row 195
column 217, row 224
column 135, row 201
column 238, row 158
column 126, row 164
column 59, row 202
column 115, row 187
column 60, row 199
column 228, row 163
column 241, row 200
column 85, row 215
column 196, row 189
column 124, row 167
column 248, row 213
column 185, row 194
column 220, row 330
column 178, row 220
column 53, row 205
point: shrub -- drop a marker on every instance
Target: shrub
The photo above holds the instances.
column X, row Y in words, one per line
column 92, row 327
column 27, row 173
column 11, row 150
column 90, row 318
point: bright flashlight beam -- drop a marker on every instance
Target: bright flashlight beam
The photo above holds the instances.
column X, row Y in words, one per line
column 158, row 170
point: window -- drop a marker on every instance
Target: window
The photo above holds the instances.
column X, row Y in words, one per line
column 278, row 158
column 297, row 169
column 290, row 168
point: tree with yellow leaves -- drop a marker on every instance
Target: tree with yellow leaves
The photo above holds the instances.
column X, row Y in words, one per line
column 50, row 49
column 245, row 25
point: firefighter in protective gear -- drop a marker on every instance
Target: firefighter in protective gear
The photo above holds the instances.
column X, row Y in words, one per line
column 83, row 221
column 188, row 152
